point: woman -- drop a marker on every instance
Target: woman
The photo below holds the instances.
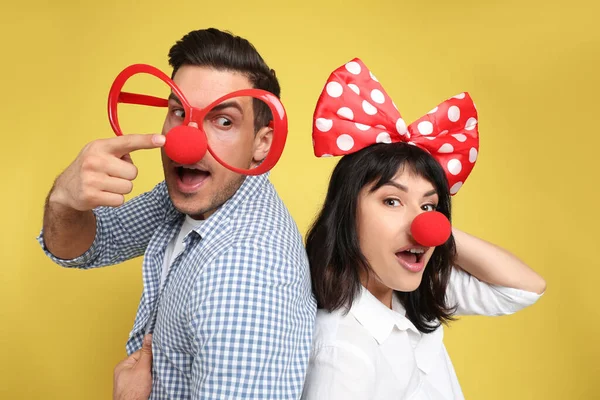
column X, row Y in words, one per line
column 384, row 282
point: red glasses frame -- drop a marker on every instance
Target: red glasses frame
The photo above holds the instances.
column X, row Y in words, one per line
column 279, row 124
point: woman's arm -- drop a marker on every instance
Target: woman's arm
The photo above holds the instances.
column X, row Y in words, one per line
column 494, row 265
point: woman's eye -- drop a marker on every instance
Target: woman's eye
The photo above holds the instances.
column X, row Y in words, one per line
column 429, row 207
column 179, row 113
column 392, row 202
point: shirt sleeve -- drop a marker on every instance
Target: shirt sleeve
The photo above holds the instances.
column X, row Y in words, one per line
column 474, row 297
column 122, row 232
column 252, row 326
column 340, row 372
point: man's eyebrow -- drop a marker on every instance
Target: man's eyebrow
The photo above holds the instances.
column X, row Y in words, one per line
column 218, row 107
column 227, row 104
column 173, row 97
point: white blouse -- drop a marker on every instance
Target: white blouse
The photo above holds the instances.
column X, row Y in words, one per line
column 376, row 353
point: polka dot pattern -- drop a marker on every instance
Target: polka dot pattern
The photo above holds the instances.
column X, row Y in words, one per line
column 345, row 142
column 454, row 166
column 354, row 111
column 401, row 126
column 446, row 148
column 377, row 96
column 334, row 89
column 454, row 113
column 460, row 137
column 454, row 188
column 383, row 137
column 369, row 108
column 324, row 124
column 471, row 123
column 362, row 127
column 354, row 88
column 353, row 67
column 425, row 128
column 472, row 155
column 346, row 113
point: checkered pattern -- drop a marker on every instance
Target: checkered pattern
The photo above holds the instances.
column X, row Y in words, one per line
column 235, row 317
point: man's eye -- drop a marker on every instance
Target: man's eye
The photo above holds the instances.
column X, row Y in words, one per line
column 179, row 113
column 223, row 122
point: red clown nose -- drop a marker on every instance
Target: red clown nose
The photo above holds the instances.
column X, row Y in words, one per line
column 431, row 229
column 185, row 145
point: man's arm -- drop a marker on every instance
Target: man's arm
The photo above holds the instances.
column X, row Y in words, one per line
column 68, row 233
column 90, row 187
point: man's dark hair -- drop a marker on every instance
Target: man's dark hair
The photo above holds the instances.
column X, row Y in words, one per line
column 222, row 50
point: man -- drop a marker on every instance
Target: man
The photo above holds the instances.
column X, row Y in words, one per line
column 227, row 292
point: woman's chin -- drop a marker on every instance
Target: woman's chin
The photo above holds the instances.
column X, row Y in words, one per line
column 406, row 283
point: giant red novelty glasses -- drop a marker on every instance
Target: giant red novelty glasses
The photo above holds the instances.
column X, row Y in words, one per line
column 220, row 128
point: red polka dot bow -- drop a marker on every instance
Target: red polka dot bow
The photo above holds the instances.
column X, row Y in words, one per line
column 354, row 112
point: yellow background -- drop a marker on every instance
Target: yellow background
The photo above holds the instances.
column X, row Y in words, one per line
column 530, row 65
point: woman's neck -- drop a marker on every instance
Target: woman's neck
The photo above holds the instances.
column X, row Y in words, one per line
column 381, row 292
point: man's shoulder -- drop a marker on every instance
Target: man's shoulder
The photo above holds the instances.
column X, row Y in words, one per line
column 159, row 190
column 264, row 214
column 263, row 227
column 255, row 224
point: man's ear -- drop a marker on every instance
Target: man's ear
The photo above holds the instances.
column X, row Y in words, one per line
column 262, row 143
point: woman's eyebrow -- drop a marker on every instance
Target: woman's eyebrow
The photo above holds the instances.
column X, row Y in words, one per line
column 405, row 189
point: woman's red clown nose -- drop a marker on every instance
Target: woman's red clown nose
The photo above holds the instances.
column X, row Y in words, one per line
column 431, row 229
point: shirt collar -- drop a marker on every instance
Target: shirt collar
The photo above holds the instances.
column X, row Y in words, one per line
column 378, row 319
column 249, row 189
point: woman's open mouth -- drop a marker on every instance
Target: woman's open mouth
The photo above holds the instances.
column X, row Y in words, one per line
column 412, row 258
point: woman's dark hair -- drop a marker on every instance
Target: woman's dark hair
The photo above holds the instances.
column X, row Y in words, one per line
column 332, row 244
column 222, row 50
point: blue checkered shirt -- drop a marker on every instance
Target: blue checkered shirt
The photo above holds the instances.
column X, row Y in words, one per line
column 235, row 317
